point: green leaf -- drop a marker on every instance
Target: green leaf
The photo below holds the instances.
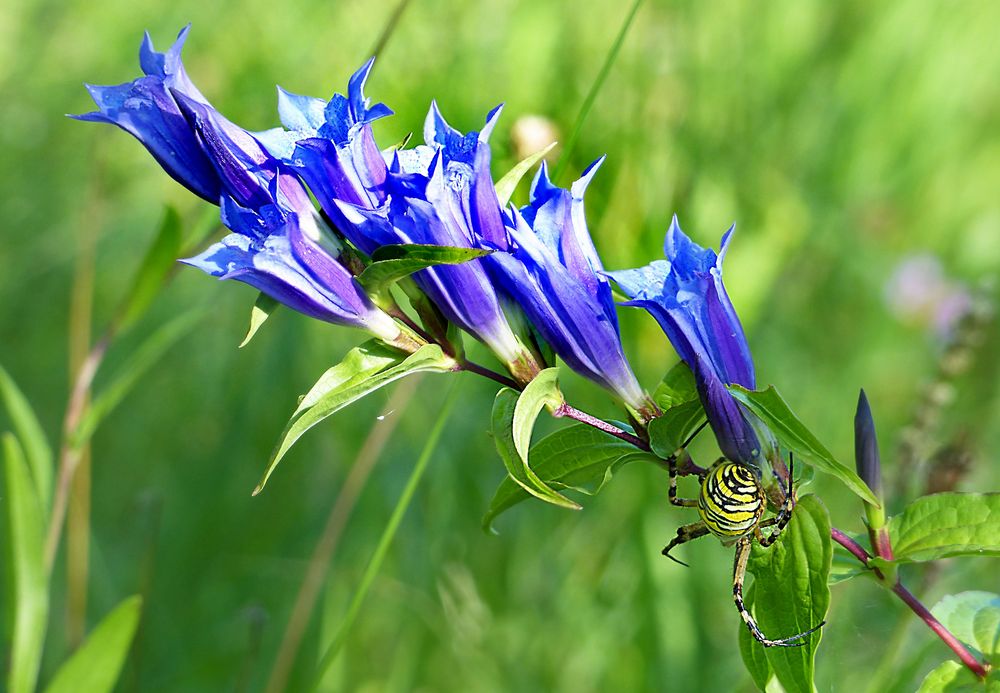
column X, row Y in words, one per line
column 773, row 411
column 752, row 653
column 791, row 591
column 845, row 567
column 25, row 524
column 505, row 186
column 130, row 372
column 952, row 677
column 364, row 370
column 947, row 524
column 974, row 618
column 579, row 457
column 667, row 433
column 261, row 311
column 677, row 387
column 513, row 420
column 95, row 667
column 31, row 436
column 394, row 262
column 153, row 271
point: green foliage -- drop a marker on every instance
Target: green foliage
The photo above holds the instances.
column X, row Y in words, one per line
column 578, row 457
column 37, row 453
column 261, row 311
column 364, row 370
column 793, row 434
column 26, row 534
column 390, row 263
column 947, row 524
column 127, row 376
column 508, row 184
column 514, row 416
column 95, row 666
column 791, row 595
column 754, row 656
column 952, row 677
column 677, row 397
column 974, row 618
column 156, row 265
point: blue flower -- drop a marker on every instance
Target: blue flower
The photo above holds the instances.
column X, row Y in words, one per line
column 279, row 244
column 686, row 296
column 146, row 108
column 442, row 194
column 282, row 254
column 551, row 269
column 331, row 147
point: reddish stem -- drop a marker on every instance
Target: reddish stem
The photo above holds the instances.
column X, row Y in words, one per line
column 572, row 412
column 915, row 605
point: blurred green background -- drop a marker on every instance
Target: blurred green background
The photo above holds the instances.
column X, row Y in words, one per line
column 843, row 138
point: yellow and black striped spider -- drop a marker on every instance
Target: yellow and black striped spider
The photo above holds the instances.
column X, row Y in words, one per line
column 731, row 503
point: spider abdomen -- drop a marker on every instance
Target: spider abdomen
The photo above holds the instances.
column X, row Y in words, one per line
column 731, row 501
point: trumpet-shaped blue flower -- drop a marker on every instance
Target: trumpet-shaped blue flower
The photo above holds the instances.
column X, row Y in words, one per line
column 686, row 296
column 331, row 147
column 279, row 244
column 147, row 109
column 282, row 254
column 442, row 194
column 552, row 271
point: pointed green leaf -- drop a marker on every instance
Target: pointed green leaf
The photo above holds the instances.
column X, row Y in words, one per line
column 578, row 457
column 95, row 667
column 974, row 618
column 947, row 524
column 952, row 677
column 131, row 371
column 752, row 653
column 390, row 263
column 677, row 387
column 508, row 184
column 513, row 420
column 365, row 369
column 31, row 436
column 791, row 591
column 26, row 527
column 261, row 311
column 667, row 433
column 155, row 267
column 774, row 412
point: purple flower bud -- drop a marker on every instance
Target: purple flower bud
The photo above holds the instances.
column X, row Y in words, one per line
column 866, row 455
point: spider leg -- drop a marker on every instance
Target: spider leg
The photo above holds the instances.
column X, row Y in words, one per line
column 672, row 466
column 674, row 500
column 684, row 535
column 739, row 574
column 784, row 515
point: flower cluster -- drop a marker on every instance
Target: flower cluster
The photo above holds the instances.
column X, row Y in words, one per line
column 539, row 288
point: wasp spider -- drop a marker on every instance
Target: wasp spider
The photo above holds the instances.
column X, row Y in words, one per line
column 731, row 503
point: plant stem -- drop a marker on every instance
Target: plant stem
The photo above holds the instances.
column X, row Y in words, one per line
column 473, row 367
column 915, row 605
column 319, row 563
column 375, row 564
column 588, row 102
column 572, row 412
column 69, row 454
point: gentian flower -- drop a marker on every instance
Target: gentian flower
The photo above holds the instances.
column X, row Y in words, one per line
column 279, row 244
column 552, row 271
column 279, row 252
column 331, row 147
column 146, row 109
column 686, row 296
column 442, row 194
